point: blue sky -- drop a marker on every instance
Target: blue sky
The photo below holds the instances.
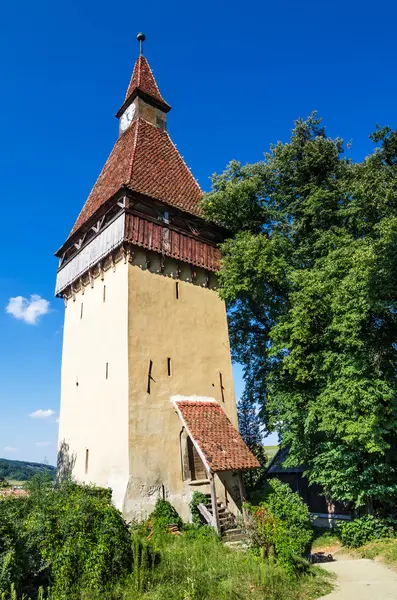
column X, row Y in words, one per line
column 236, row 74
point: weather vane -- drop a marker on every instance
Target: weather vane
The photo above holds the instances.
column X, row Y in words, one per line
column 141, row 37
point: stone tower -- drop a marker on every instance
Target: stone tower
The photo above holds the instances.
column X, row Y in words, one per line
column 147, row 400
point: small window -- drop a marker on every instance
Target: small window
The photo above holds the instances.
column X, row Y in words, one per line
column 222, row 387
column 177, row 290
column 169, row 367
column 107, row 370
column 81, row 311
column 87, row 457
column 104, row 293
column 149, row 376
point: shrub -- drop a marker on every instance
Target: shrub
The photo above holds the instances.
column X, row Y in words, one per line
column 280, row 527
column 197, row 498
column 71, row 539
column 21, row 563
column 164, row 514
column 358, row 532
column 289, row 507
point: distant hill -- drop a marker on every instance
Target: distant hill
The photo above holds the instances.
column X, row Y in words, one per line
column 270, row 451
column 18, row 470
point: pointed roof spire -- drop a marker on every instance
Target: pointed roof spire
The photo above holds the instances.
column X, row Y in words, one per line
column 143, row 82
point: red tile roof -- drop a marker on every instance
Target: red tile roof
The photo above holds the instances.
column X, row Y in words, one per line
column 142, row 79
column 217, row 441
column 145, row 160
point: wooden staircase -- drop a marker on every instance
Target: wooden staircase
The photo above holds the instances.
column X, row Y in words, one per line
column 232, row 534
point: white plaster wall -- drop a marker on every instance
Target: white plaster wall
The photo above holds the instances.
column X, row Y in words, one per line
column 94, row 414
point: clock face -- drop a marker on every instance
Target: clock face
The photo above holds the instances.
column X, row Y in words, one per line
column 127, row 116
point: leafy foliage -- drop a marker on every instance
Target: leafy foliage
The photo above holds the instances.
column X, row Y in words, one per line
column 309, row 276
column 280, row 526
column 358, row 532
column 71, row 539
column 70, row 542
column 164, row 514
column 197, row 498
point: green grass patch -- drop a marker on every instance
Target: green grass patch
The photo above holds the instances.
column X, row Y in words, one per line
column 270, row 451
column 386, row 550
column 207, row 570
column 324, row 539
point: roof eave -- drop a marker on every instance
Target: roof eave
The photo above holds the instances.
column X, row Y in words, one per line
column 162, row 105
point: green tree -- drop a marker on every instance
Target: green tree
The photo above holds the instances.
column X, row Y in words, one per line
column 309, row 275
column 250, row 427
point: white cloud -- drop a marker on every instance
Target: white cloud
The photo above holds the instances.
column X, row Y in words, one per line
column 10, row 450
column 43, row 444
column 42, row 414
column 28, row 310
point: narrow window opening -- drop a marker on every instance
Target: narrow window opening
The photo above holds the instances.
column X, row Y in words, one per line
column 87, row 458
column 149, row 376
column 177, row 290
column 81, row 311
column 169, row 367
column 222, row 387
column 104, row 293
column 107, row 370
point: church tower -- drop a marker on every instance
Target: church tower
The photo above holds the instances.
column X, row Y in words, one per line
column 147, row 400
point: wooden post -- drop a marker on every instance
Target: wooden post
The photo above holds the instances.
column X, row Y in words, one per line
column 214, row 503
column 242, row 493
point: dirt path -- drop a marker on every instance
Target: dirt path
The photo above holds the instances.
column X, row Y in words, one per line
column 361, row 579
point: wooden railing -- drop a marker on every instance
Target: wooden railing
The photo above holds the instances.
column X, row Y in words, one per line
column 208, row 517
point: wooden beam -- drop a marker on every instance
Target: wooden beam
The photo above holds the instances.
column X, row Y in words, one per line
column 206, row 513
column 242, row 493
column 214, row 503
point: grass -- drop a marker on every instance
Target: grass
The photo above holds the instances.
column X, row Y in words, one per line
column 207, row 570
column 324, row 539
column 385, row 550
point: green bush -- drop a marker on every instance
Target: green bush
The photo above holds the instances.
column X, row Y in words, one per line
column 289, row 507
column 71, row 543
column 164, row 514
column 358, row 532
column 197, row 498
column 280, row 527
column 21, row 562
column 71, row 539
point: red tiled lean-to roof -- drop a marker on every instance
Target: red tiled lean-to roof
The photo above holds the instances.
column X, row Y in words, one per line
column 145, row 160
column 216, row 439
column 143, row 79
